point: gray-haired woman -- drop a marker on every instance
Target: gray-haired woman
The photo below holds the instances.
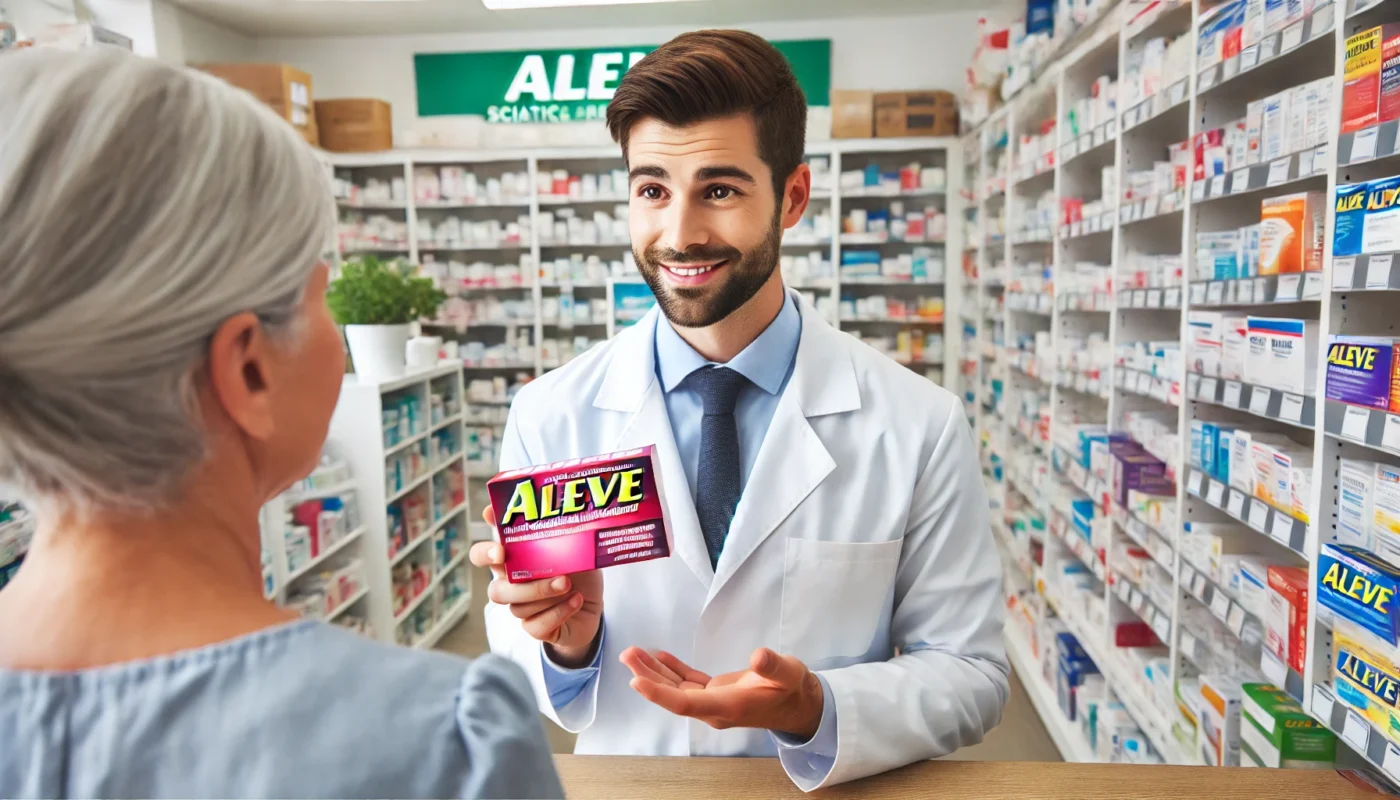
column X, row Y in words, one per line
column 168, row 364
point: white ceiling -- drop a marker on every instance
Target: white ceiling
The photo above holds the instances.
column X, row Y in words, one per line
column 367, row 17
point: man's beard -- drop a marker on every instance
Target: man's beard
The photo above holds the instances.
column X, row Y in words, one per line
column 702, row 306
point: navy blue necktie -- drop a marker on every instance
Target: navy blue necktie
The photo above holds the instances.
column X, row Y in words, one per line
column 718, row 483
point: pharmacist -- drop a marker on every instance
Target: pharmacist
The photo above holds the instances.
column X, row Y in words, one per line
column 834, row 596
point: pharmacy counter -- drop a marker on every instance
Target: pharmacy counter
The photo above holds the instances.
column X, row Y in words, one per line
column 620, row 777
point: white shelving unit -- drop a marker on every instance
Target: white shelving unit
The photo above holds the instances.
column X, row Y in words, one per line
column 1023, row 456
column 621, row 278
column 440, row 490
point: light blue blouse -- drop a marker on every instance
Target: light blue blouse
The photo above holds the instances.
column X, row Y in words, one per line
column 300, row 710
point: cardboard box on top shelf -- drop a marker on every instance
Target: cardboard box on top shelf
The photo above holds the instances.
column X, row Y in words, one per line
column 926, row 113
column 284, row 89
column 355, row 125
column 852, row 114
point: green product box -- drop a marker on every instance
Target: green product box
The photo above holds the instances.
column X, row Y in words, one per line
column 1281, row 734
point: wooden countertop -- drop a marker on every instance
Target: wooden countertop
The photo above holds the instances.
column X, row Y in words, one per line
column 656, row 778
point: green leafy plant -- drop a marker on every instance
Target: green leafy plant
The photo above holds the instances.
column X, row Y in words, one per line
column 373, row 292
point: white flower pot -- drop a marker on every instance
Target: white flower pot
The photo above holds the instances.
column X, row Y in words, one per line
column 378, row 350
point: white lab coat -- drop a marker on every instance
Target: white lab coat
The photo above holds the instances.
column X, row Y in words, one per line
column 861, row 545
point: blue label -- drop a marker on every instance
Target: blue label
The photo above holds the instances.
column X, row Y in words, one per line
column 1360, row 588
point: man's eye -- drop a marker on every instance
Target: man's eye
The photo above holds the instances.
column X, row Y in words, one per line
column 721, row 193
column 651, row 192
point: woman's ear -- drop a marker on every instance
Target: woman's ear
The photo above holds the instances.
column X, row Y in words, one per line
column 240, row 374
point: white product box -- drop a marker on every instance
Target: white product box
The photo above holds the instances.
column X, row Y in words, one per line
column 1322, row 113
column 1274, row 136
column 1283, row 354
column 1253, row 130
column 1253, row 591
column 1204, row 329
column 1234, row 345
column 1262, row 449
column 1237, row 144
column 1297, row 119
column 1253, row 29
column 1241, row 464
column 1275, row 15
column 1356, row 486
column 1385, row 518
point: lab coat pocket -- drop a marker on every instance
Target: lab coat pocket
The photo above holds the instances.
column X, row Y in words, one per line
column 834, row 594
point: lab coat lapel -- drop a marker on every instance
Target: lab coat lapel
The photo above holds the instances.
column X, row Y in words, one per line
column 792, row 461
column 631, row 386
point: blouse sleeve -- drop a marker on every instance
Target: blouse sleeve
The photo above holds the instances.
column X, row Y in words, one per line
column 500, row 726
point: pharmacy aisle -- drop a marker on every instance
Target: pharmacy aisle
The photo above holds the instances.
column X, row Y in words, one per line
column 1187, row 423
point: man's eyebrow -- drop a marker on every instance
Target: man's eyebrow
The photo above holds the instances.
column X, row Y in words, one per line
column 648, row 172
column 714, row 173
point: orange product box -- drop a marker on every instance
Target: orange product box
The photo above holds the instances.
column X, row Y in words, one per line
column 1291, row 230
column 1361, row 77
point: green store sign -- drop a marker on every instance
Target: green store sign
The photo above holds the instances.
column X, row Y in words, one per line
column 566, row 85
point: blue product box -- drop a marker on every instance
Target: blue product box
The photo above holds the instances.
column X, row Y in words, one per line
column 1350, row 205
column 1198, row 437
column 1360, row 587
column 1210, row 442
column 1382, row 206
column 1067, row 646
column 1224, row 444
column 1082, row 513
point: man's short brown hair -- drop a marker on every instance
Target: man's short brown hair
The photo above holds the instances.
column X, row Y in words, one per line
column 704, row 75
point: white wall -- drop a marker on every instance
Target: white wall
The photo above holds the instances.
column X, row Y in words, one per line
column 182, row 37
column 882, row 53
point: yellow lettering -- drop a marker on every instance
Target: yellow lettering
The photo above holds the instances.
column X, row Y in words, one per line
column 1330, row 579
column 573, row 497
column 601, row 493
column 522, row 502
column 1355, row 588
column 631, row 491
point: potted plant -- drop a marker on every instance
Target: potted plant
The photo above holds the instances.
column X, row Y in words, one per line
column 378, row 302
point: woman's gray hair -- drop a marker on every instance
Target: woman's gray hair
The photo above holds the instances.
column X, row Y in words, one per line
column 141, row 205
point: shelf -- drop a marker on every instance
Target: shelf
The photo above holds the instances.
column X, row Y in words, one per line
column 455, row 418
column 806, row 242
column 1364, row 273
column 1145, row 384
column 1158, row 206
column 1221, row 603
column 553, row 245
column 1271, row 50
column 1080, row 383
column 1132, row 596
column 1059, row 527
column 1174, row 96
column 1262, row 517
column 1354, row 730
column 567, row 200
column 330, row 551
column 1067, row 735
column 1168, row 298
column 1369, row 427
column 450, row 619
column 1149, row 538
column 1040, row 235
column 294, row 497
column 893, row 194
column 465, row 204
column 1280, row 173
column 343, row 607
column 390, row 206
column 1095, row 225
column 887, row 282
column 1368, row 144
column 1093, row 141
column 405, row 444
column 1297, row 287
column 1299, row 411
column 432, row 585
column 461, row 247
column 412, row 485
column 883, row 238
column 888, row 321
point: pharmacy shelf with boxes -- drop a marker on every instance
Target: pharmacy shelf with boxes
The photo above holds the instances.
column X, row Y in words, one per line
column 1192, row 445
column 533, row 247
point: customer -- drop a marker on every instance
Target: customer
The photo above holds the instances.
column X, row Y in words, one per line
column 167, row 365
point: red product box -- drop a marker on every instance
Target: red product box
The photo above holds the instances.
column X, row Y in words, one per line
column 1389, row 104
column 1134, row 634
column 581, row 514
column 1287, row 616
column 1071, row 210
column 1200, row 143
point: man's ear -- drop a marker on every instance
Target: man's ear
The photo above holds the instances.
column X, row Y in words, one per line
column 240, row 374
column 797, row 193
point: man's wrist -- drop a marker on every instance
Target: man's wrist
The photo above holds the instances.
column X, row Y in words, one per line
column 812, row 704
column 574, row 657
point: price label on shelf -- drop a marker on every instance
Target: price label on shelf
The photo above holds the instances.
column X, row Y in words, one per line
column 1209, row 386
column 1378, row 271
column 1198, row 585
column 1235, row 619
column 1282, row 528
column 1390, row 434
column 1110, row 130
column 1149, row 206
column 1139, row 298
column 1205, row 80
column 1215, row 293
column 1232, row 394
column 1259, row 517
column 1390, row 762
column 1187, row 575
column 1322, row 705
column 1086, row 141
column 1197, row 481
column 1239, row 181
column 1144, row 383
column 1312, row 286
column 1130, row 117
column 1235, row 505
column 1198, row 293
column 1220, row 605
column 1356, row 731
column 1363, row 145
column 1172, row 298
column 1249, row 57
column 1268, row 47
column 1124, row 592
column 1198, row 191
column 1154, row 298
column 1278, row 171
column 1193, row 384
column 1217, row 184
column 1178, row 92
column 1134, row 597
column 1354, row 421
column 1259, row 400
column 1274, row 669
column 1287, row 289
column 1291, row 38
column 1290, row 408
column 1215, row 495
column 1162, row 626
column 1343, row 272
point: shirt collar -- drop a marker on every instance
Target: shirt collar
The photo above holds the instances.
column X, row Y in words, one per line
column 765, row 362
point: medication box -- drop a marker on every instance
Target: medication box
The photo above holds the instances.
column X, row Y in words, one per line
column 1276, row 732
column 1350, row 207
column 582, row 514
column 1356, row 487
column 1359, row 587
column 1366, row 678
column 1282, row 354
column 1287, row 618
column 1361, row 371
column 1361, row 77
column 1380, row 227
column 1291, row 228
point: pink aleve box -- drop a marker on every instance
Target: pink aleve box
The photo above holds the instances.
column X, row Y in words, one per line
column 581, row 514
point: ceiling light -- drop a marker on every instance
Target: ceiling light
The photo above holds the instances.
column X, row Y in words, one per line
column 510, row 5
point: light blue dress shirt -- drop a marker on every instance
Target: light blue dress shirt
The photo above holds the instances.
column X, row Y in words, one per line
column 767, row 362
column 304, row 709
